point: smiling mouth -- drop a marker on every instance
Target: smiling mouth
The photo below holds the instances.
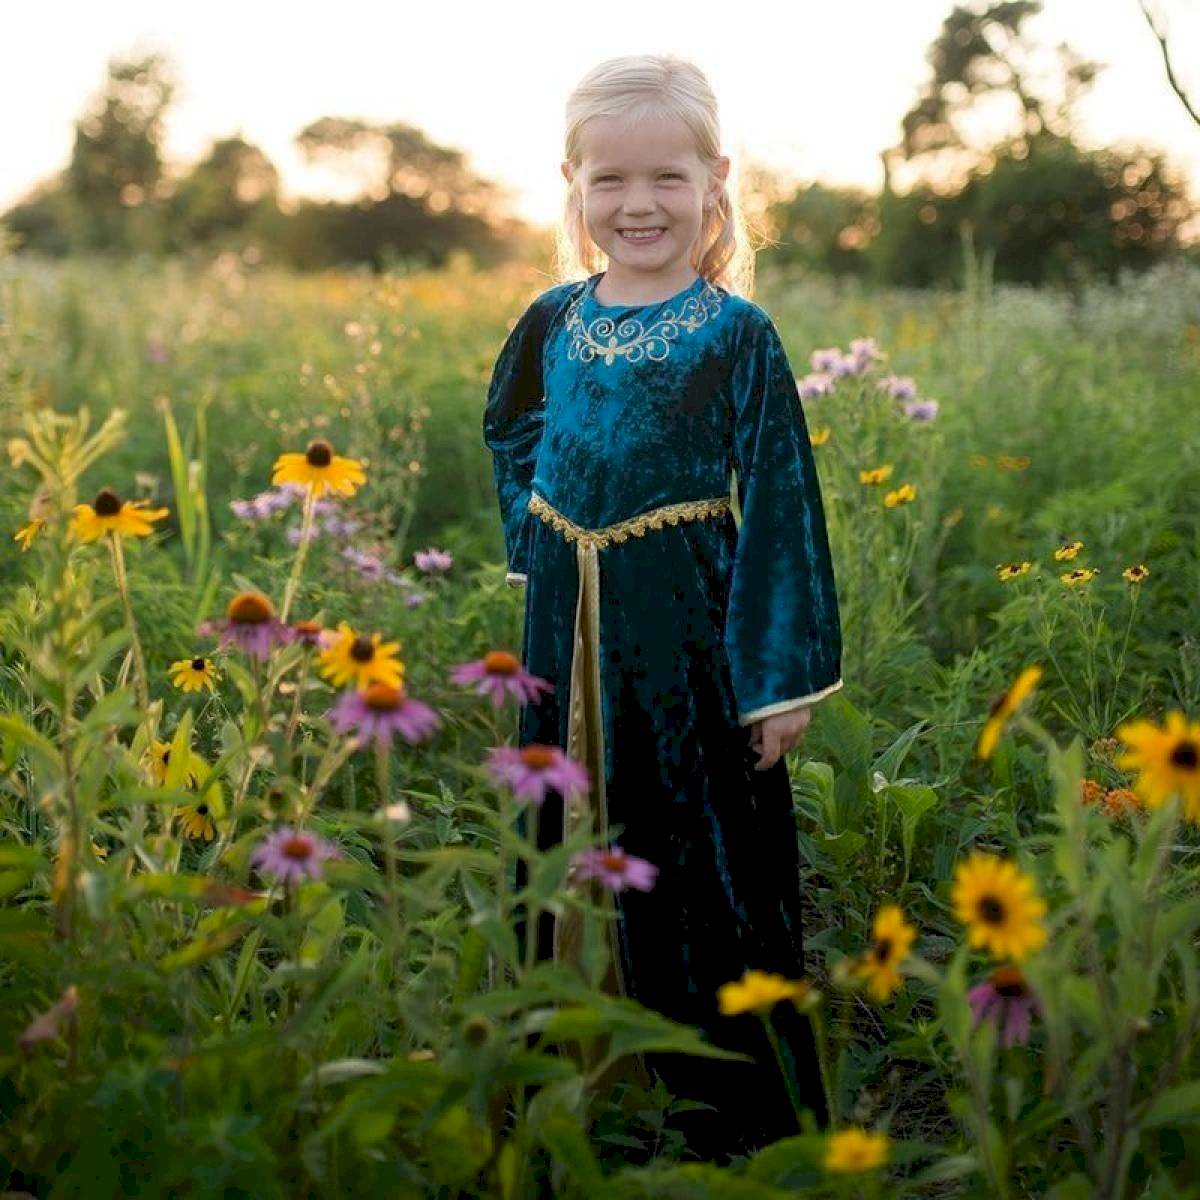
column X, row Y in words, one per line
column 645, row 234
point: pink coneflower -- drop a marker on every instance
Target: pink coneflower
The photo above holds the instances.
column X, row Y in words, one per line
column 530, row 770
column 293, row 855
column 250, row 624
column 614, row 868
column 921, row 410
column 1006, row 1000
column 499, row 673
column 899, row 387
column 380, row 712
column 433, row 561
column 813, row 386
column 308, row 632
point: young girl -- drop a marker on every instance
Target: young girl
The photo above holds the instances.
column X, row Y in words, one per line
column 686, row 648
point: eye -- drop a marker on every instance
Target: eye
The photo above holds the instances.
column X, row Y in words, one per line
column 670, row 175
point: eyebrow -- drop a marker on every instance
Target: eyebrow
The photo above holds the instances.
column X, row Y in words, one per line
column 663, row 167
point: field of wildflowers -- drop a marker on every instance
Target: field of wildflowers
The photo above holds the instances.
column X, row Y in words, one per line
column 259, row 675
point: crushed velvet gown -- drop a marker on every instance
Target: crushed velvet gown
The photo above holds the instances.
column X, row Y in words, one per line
column 667, row 627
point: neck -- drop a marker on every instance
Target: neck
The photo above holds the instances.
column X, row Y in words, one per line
column 620, row 286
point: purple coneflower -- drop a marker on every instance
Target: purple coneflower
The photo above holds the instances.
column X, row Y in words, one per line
column 530, row 770
column 1006, row 1000
column 433, row 561
column 921, row 410
column 250, row 624
column 381, row 712
column 614, row 868
column 293, row 855
column 819, row 383
column 499, row 673
column 899, row 387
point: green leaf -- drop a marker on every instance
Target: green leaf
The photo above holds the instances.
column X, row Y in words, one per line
column 1176, row 1106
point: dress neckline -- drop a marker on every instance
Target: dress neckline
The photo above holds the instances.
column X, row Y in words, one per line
column 590, row 295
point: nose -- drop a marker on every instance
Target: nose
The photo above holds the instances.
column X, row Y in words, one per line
column 638, row 200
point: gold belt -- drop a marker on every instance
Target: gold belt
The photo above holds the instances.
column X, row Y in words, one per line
column 585, row 726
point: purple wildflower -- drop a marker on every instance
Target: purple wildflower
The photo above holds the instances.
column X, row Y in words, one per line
column 293, row 855
column 864, row 351
column 1006, row 1000
column 381, row 712
column 921, row 410
column 899, row 387
column 250, row 624
column 433, row 561
column 819, row 383
column 157, row 352
column 499, row 673
column 614, row 868
column 415, row 599
column 530, row 770
column 826, row 359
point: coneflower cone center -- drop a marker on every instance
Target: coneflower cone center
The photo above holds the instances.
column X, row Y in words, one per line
column 250, row 608
column 1009, row 983
column 991, row 910
column 362, row 649
column 501, row 662
column 382, row 698
column 319, row 453
column 299, row 849
column 613, row 860
column 537, row 756
column 107, row 504
column 1186, row 755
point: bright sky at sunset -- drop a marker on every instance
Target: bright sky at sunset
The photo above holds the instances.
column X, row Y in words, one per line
column 813, row 89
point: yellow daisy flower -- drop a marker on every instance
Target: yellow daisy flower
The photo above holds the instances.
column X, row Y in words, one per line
column 904, row 494
column 192, row 674
column 158, row 759
column 980, row 460
column 852, row 1150
column 1068, row 550
column 1007, row 571
column 997, row 902
column 759, row 992
column 871, row 475
column 1136, row 573
column 320, row 469
column 1012, row 462
column 109, row 514
column 1167, row 760
column 196, row 821
column 27, row 533
column 893, row 938
column 351, row 656
column 818, row 437
column 1079, row 576
column 1003, row 708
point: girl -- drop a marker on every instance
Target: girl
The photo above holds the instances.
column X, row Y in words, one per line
column 686, row 648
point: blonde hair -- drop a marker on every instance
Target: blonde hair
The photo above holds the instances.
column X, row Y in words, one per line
column 636, row 87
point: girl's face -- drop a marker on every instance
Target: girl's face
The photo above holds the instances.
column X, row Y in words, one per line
column 644, row 176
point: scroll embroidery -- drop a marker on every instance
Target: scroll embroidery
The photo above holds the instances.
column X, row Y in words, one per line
column 602, row 337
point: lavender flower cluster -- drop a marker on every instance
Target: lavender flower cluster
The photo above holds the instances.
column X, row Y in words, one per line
column 831, row 364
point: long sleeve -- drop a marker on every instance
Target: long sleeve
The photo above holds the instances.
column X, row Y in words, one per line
column 783, row 631
column 512, row 429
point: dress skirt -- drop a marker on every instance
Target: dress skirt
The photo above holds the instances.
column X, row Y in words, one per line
column 681, row 791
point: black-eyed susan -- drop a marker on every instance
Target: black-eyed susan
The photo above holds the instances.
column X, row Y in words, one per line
column 27, row 533
column 759, row 992
column 194, row 674
column 108, row 513
column 158, row 760
column 874, row 475
column 1068, row 550
column 320, row 469
column 1003, row 708
column 819, row 436
column 998, row 903
column 853, row 1150
column 352, row 657
column 904, row 494
column 893, row 938
column 1167, row 760
column 1136, row 573
column 1079, row 576
column 196, row 821
column 250, row 624
column 1007, row 571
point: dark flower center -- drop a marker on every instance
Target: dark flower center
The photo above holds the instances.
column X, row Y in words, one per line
column 250, row 608
column 537, row 756
column 107, row 503
column 613, row 860
column 382, row 698
column 997, row 704
column 197, row 664
column 991, row 910
column 319, row 453
column 500, row 662
column 882, row 950
column 166, row 756
column 299, row 849
column 202, row 810
column 1009, row 983
column 362, row 649
column 1186, row 755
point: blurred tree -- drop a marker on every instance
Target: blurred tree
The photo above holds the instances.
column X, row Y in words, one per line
column 825, row 228
column 233, row 189
column 1158, row 27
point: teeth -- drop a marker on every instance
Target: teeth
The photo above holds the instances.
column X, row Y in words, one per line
column 640, row 235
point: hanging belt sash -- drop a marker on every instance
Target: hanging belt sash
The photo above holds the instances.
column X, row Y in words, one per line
column 585, row 726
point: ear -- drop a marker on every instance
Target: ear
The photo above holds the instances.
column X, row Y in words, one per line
column 721, row 171
column 568, row 171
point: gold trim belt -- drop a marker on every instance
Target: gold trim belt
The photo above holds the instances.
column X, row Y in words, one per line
column 585, row 726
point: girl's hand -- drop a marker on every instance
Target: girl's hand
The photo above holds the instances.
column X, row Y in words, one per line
column 774, row 736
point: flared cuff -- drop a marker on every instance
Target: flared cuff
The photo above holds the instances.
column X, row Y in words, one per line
column 516, row 579
column 771, row 710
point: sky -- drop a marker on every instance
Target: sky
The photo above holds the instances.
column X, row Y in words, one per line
column 813, row 90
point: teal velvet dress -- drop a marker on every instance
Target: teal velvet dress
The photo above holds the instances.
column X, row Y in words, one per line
column 600, row 414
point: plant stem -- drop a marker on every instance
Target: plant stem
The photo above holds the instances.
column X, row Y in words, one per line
column 306, row 526
column 141, row 681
